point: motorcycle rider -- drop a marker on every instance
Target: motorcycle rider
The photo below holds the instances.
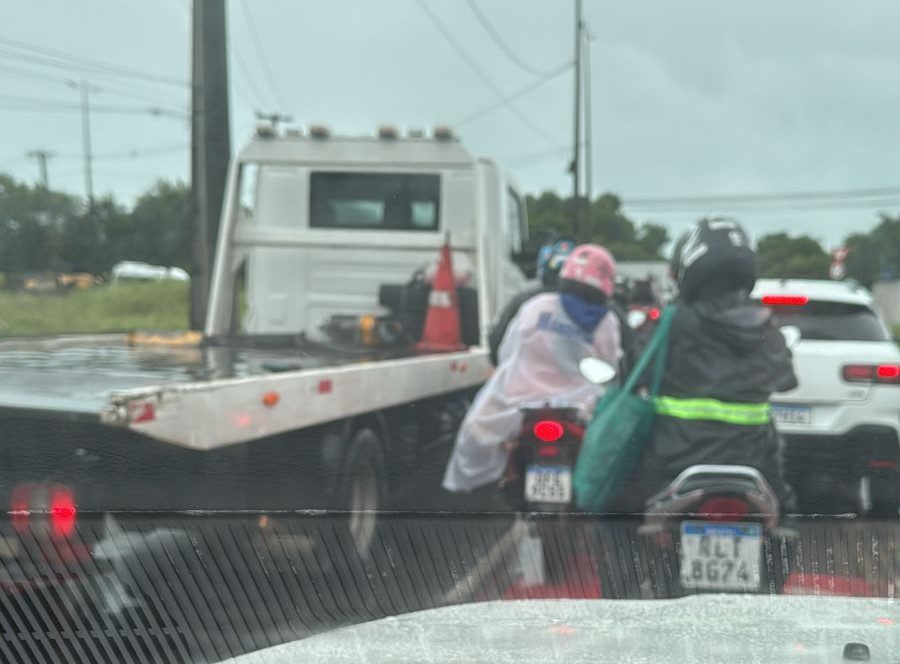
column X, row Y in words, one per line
column 549, row 262
column 538, row 365
column 726, row 357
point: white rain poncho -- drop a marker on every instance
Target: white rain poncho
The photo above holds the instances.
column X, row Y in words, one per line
column 538, row 365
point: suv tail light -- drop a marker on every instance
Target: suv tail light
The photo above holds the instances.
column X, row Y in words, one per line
column 885, row 374
column 47, row 508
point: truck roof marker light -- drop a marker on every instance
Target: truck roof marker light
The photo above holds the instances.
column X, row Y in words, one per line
column 443, row 133
column 387, row 132
column 319, row 131
column 271, row 399
column 785, row 300
column 265, row 129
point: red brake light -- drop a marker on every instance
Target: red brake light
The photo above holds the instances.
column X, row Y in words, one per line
column 548, row 431
column 785, row 300
column 62, row 512
column 888, row 373
column 722, row 508
column 653, row 314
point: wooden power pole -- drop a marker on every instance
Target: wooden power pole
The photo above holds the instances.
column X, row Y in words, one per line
column 210, row 143
column 576, row 159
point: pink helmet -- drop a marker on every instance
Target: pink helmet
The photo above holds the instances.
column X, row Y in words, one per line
column 593, row 266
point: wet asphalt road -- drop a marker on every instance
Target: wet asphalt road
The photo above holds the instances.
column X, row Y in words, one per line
column 202, row 588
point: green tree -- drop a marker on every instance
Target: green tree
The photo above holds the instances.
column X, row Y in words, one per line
column 160, row 227
column 875, row 255
column 802, row 257
column 549, row 214
column 31, row 220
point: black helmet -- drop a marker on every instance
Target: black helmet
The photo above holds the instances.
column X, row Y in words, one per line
column 715, row 256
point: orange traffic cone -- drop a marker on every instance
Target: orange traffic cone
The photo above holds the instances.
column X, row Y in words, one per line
column 441, row 332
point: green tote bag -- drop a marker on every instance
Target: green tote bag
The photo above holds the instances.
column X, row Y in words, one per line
column 622, row 422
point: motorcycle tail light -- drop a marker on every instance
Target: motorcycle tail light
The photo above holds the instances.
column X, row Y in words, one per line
column 723, row 508
column 548, row 431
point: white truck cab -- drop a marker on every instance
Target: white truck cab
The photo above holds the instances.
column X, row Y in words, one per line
column 314, row 224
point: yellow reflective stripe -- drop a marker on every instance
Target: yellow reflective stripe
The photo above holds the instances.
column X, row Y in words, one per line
column 713, row 409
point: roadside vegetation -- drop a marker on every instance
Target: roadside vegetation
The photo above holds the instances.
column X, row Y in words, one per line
column 119, row 307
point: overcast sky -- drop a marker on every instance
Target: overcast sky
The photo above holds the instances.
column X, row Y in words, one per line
column 690, row 98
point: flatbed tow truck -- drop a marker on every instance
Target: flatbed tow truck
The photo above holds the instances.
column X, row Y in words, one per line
column 305, row 389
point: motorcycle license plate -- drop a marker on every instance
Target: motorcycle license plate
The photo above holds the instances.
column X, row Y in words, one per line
column 721, row 556
column 548, row 484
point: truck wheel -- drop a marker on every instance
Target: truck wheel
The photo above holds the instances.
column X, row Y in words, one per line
column 885, row 493
column 363, row 487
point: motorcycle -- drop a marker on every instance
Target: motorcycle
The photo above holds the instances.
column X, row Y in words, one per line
column 716, row 528
column 538, row 475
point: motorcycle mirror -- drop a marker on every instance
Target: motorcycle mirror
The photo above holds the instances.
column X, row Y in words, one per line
column 636, row 318
column 791, row 335
column 596, row 371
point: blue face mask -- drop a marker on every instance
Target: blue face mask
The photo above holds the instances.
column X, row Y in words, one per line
column 585, row 315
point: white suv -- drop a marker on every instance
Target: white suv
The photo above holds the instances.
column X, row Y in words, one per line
column 842, row 423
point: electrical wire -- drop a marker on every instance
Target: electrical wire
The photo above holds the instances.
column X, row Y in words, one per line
column 758, row 197
column 521, row 92
column 479, row 72
column 501, row 43
column 130, row 154
column 257, row 42
column 63, row 60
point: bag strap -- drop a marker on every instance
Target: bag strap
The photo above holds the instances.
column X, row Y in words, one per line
column 658, row 340
column 659, row 367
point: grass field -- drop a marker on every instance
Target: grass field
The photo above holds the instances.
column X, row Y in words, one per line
column 111, row 308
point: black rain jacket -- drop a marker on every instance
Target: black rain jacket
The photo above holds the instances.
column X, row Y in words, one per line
column 727, row 348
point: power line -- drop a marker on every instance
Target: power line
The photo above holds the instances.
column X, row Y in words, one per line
column 132, row 154
column 479, row 72
column 63, row 60
column 521, row 92
column 501, row 43
column 788, row 196
column 51, row 105
column 257, row 42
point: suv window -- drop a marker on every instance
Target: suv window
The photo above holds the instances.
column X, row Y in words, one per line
column 833, row 321
column 374, row 201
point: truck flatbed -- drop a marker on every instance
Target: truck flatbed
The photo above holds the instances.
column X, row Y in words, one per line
column 226, row 393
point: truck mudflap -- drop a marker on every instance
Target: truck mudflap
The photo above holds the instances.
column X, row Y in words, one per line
column 210, row 415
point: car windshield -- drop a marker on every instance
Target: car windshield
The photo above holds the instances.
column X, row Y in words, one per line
column 419, row 331
column 834, row 321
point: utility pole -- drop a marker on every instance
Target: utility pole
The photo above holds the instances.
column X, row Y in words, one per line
column 210, row 143
column 85, row 89
column 588, row 135
column 576, row 160
column 274, row 118
column 42, row 156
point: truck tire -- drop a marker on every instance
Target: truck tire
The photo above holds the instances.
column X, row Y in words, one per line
column 885, row 493
column 362, row 487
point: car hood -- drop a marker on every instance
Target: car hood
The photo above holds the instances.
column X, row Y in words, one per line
column 724, row 629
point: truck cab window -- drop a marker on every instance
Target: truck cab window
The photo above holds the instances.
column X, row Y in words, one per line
column 374, row 201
